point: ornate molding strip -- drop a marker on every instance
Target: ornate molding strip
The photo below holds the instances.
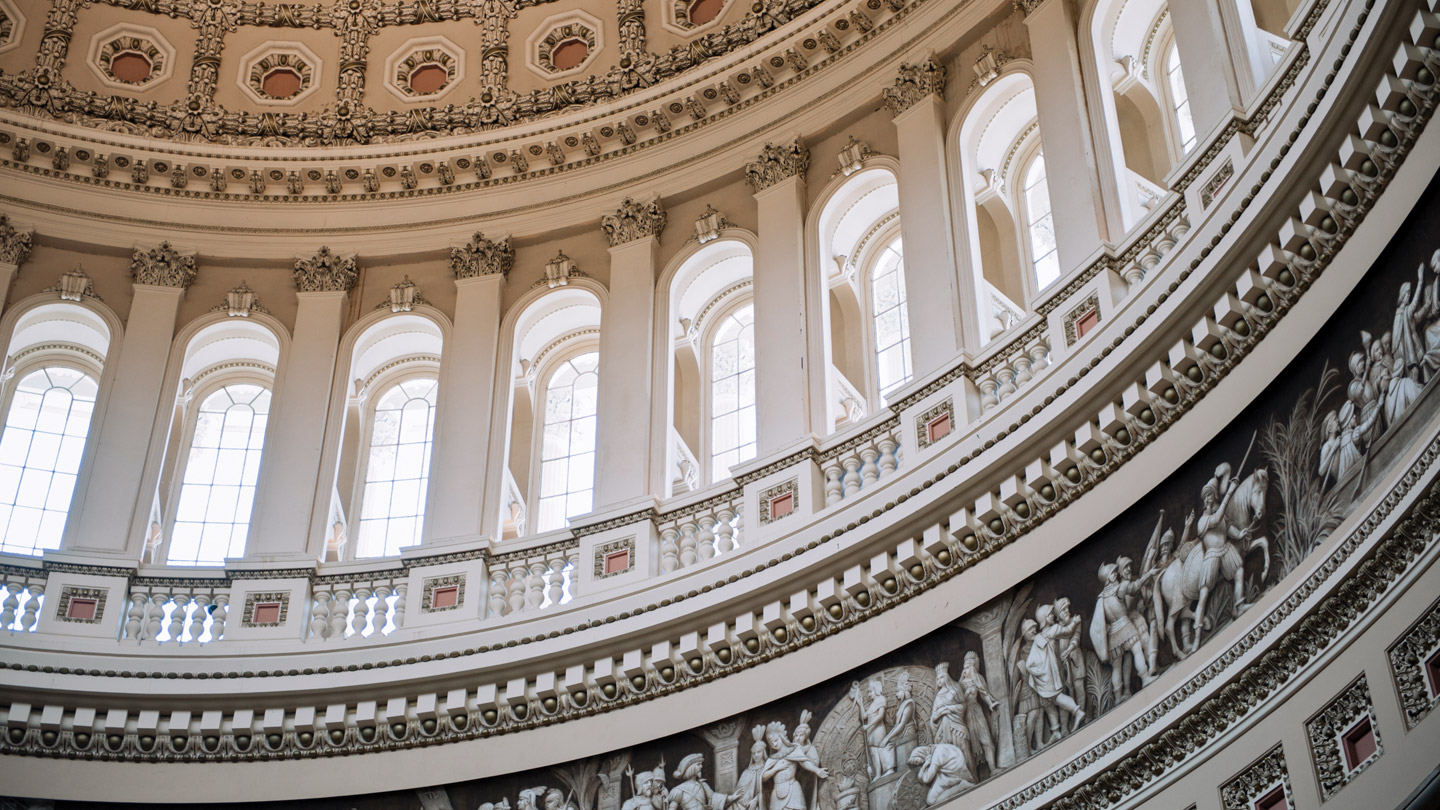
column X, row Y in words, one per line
column 163, row 266
column 326, row 271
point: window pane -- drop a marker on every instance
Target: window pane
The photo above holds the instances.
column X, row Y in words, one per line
column 44, row 434
column 732, row 390
column 892, row 326
column 393, row 500
column 1180, row 99
column 212, row 518
column 567, row 469
column 1040, row 224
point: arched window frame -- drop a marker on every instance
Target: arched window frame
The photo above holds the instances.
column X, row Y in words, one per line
column 61, row 355
column 205, row 383
column 711, row 318
column 1174, row 135
column 380, row 381
column 873, row 248
column 547, row 362
column 1026, row 152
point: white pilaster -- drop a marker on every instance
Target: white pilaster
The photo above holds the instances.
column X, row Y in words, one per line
column 109, row 500
column 290, row 482
column 1078, row 192
column 622, row 458
column 782, row 385
column 1220, row 56
column 462, row 429
column 944, row 298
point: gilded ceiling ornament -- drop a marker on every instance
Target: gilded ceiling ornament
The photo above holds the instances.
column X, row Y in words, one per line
column 163, row 266
column 483, row 257
column 15, row 244
column 914, row 83
column 634, row 221
column 777, row 163
column 326, row 271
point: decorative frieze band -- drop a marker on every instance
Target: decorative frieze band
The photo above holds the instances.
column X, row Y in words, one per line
column 326, row 271
column 163, row 266
column 914, row 83
column 777, row 163
column 14, row 243
column 634, row 220
column 483, row 257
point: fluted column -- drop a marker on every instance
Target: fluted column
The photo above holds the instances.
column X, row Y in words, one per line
column 462, row 429
column 1083, row 200
column 112, row 490
column 291, row 485
column 14, row 250
column 782, row 375
column 944, row 298
column 1220, row 55
column 622, row 457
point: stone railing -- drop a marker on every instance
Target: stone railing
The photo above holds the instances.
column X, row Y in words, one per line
column 367, row 605
column 178, row 610
column 23, row 590
column 861, row 462
column 696, row 533
column 532, row 579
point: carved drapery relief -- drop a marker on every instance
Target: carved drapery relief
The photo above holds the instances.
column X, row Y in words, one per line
column 403, row 297
column 914, row 83
column 483, row 257
column 240, row 302
column 709, row 225
column 163, row 266
column 634, row 220
column 777, row 163
column 15, row 244
column 326, row 271
column 74, row 286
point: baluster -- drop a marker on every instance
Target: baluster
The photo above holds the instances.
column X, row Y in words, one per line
column 12, row 602
column 1006, row 376
column 1022, row 369
column 555, row 591
column 320, row 613
column 398, row 616
column 573, row 562
column 219, row 616
column 833, row 489
column 1039, row 355
column 888, row 462
column 1165, row 243
column 869, row 473
column 155, row 615
column 988, row 397
column 688, row 552
column 724, row 530
column 669, row 549
column 1180, row 227
column 852, row 475
column 535, row 586
column 361, row 616
column 496, row 596
column 176, row 626
column 196, row 627
column 339, row 614
column 706, row 536
column 382, row 608
column 135, row 615
column 516, row 586
column 31, row 617
column 739, row 523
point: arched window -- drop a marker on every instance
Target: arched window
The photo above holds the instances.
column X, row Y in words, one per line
column 567, row 450
column 40, row 454
column 732, row 392
column 892, row 320
column 397, row 470
column 1179, row 98
column 212, row 518
column 1040, row 224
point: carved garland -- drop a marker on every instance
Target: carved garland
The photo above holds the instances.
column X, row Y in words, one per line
column 1408, row 659
column 1325, row 730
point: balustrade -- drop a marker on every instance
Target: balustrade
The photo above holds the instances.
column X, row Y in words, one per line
column 178, row 610
column 700, row 532
column 532, row 580
column 859, row 464
column 1016, row 364
column 353, row 609
column 24, row 595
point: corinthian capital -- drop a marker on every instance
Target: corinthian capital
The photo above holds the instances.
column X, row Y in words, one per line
column 326, row 271
column 162, row 266
column 483, row 257
column 14, row 243
column 777, row 163
column 914, row 83
column 634, row 221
